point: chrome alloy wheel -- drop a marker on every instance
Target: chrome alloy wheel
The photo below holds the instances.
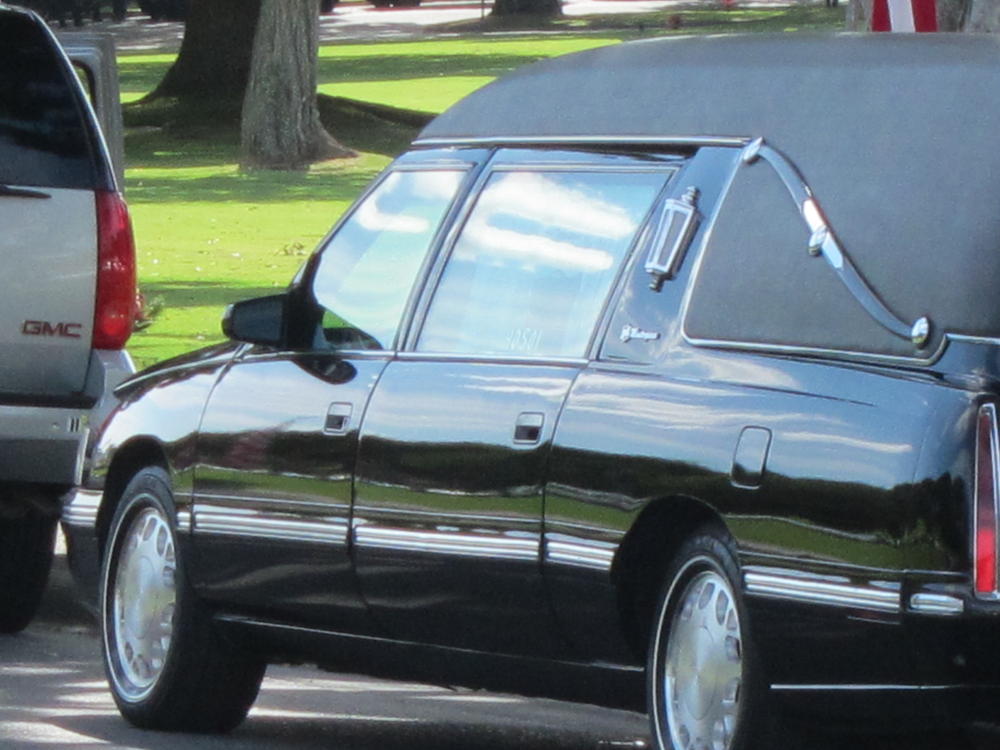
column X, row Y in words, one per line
column 703, row 666
column 139, row 622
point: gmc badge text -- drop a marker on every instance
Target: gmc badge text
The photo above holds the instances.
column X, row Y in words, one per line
column 44, row 328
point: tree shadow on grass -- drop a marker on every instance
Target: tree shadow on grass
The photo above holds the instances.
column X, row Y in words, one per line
column 171, row 134
column 180, row 294
column 257, row 187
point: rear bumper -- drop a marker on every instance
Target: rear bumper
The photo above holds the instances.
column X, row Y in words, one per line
column 46, row 443
column 42, row 445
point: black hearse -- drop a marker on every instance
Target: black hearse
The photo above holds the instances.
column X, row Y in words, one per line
column 661, row 375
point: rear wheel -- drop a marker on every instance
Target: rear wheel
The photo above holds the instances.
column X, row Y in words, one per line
column 167, row 666
column 704, row 692
column 27, row 543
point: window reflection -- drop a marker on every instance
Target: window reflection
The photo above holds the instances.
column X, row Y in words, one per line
column 533, row 264
column 367, row 269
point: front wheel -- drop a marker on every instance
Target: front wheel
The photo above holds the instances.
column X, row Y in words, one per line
column 167, row 666
column 703, row 688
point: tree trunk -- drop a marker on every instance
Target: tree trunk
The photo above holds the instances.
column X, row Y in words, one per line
column 983, row 16
column 214, row 60
column 859, row 14
column 548, row 8
column 951, row 14
column 280, row 127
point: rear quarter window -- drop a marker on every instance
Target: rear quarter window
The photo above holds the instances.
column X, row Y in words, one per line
column 759, row 285
column 43, row 135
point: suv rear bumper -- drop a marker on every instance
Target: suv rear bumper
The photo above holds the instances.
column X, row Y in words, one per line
column 42, row 445
column 47, row 444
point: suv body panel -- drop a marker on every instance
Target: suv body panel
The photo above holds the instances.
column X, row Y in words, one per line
column 57, row 161
column 47, row 307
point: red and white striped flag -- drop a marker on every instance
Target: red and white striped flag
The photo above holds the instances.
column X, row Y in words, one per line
column 904, row 15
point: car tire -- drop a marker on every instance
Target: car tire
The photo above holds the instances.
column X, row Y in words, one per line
column 703, row 684
column 27, row 543
column 167, row 665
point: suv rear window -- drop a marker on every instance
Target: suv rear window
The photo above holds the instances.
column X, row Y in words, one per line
column 43, row 141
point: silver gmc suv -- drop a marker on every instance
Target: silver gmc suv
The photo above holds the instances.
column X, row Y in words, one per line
column 67, row 289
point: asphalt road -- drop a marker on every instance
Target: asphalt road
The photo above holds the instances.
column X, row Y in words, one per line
column 53, row 697
column 360, row 21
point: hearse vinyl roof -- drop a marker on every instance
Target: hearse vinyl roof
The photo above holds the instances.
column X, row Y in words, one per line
column 898, row 135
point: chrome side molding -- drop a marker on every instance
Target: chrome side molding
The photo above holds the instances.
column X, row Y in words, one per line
column 840, row 591
column 222, row 520
column 81, row 508
column 439, row 541
column 937, row 604
column 833, row 591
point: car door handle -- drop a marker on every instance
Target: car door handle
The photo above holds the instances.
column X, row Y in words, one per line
column 528, row 427
column 338, row 418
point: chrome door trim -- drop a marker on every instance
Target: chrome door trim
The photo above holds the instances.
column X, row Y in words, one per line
column 503, row 546
column 258, row 523
column 593, row 554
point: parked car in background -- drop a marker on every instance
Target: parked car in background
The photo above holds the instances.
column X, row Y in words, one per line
column 79, row 11
column 168, row 10
column 395, row 3
column 75, row 11
column 662, row 375
column 68, row 296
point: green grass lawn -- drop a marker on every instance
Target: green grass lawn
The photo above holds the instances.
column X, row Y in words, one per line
column 208, row 235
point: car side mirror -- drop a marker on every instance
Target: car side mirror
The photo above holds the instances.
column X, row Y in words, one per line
column 258, row 321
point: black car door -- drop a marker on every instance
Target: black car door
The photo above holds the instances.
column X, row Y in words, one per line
column 448, row 499
column 276, row 450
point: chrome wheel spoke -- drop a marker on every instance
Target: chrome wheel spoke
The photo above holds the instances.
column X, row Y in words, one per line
column 703, row 670
column 143, row 602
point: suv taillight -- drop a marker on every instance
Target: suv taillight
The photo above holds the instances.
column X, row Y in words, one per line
column 115, row 306
column 986, row 501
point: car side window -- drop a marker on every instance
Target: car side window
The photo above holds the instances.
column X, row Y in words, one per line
column 532, row 266
column 367, row 269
